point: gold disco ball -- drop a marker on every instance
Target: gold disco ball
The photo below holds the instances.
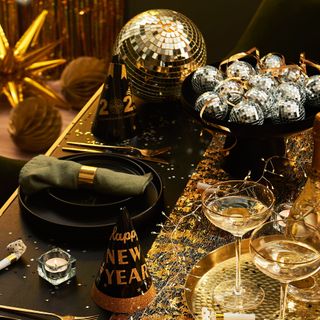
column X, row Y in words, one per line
column 160, row 48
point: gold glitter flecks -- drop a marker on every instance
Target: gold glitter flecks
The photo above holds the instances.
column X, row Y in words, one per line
column 78, row 132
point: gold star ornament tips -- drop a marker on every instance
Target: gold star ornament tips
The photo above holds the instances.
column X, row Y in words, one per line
column 21, row 66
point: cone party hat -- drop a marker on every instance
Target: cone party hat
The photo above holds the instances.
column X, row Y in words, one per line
column 115, row 118
column 123, row 283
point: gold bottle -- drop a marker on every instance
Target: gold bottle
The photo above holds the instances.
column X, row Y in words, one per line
column 307, row 207
column 307, row 204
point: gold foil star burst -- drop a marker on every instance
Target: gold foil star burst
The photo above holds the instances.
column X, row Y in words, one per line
column 21, row 66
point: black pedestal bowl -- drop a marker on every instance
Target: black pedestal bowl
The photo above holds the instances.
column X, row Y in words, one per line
column 253, row 142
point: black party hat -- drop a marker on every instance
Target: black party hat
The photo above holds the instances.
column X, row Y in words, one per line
column 115, row 118
column 123, row 284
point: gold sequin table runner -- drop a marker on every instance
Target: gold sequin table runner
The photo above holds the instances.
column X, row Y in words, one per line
column 187, row 236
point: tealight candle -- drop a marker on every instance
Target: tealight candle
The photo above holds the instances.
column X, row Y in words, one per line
column 56, row 265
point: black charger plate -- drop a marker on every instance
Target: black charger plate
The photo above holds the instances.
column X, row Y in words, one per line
column 44, row 208
column 77, row 199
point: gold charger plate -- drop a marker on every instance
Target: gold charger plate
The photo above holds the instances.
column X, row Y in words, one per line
column 219, row 265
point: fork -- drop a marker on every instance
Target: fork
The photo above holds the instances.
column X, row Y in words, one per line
column 143, row 152
column 45, row 313
column 150, row 159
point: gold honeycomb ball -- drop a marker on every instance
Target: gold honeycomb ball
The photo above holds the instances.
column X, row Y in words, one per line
column 34, row 124
column 160, row 48
column 81, row 78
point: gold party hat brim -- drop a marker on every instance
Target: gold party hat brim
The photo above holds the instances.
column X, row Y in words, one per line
column 123, row 305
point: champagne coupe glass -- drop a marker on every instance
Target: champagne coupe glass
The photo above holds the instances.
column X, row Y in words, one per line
column 237, row 206
column 286, row 254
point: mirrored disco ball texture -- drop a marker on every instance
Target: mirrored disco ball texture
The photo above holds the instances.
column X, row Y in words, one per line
column 160, row 48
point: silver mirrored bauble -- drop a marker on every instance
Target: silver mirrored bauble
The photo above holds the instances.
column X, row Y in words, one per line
column 211, row 106
column 246, row 112
column 270, row 61
column 292, row 73
column 240, row 69
column 291, row 90
column 287, row 110
column 264, row 82
column 263, row 98
column 203, row 99
column 206, row 78
column 160, row 48
column 230, row 91
column 313, row 91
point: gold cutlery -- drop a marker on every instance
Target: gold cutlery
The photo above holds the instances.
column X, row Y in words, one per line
column 150, row 159
column 8, row 318
column 143, row 152
column 45, row 313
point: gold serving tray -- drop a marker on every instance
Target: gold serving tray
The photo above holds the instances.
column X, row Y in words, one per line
column 220, row 264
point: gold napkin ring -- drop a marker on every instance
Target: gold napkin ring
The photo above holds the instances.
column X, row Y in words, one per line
column 86, row 175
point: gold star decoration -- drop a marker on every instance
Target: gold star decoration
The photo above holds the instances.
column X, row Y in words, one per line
column 21, row 67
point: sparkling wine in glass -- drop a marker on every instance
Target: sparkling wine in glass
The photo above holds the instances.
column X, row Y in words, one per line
column 287, row 254
column 237, row 206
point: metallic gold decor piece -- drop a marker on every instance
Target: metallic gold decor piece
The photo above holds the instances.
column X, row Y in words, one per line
column 87, row 28
column 86, row 175
column 220, row 264
column 160, row 49
column 21, row 68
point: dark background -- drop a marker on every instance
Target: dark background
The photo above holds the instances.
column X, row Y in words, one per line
column 221, row 22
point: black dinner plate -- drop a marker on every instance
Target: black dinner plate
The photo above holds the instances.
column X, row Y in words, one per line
column 189, row 96
column 90, row 198
column 45, row 209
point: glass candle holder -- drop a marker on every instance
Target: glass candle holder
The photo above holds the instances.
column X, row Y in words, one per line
column 56, row 266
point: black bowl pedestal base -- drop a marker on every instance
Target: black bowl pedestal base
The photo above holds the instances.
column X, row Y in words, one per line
column 248, row 155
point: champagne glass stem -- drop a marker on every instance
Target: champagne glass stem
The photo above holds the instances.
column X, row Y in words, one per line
column 237, row 289
column 283, row 300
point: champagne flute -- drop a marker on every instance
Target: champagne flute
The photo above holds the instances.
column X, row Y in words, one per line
column 287, row 254
column 237, row 206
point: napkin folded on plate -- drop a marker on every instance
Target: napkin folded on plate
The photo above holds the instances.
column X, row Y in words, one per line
column 42, row 172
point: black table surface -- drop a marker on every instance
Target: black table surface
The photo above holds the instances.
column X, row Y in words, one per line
column 20, row 284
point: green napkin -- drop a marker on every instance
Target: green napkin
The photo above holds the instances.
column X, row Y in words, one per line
column 42, row 172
